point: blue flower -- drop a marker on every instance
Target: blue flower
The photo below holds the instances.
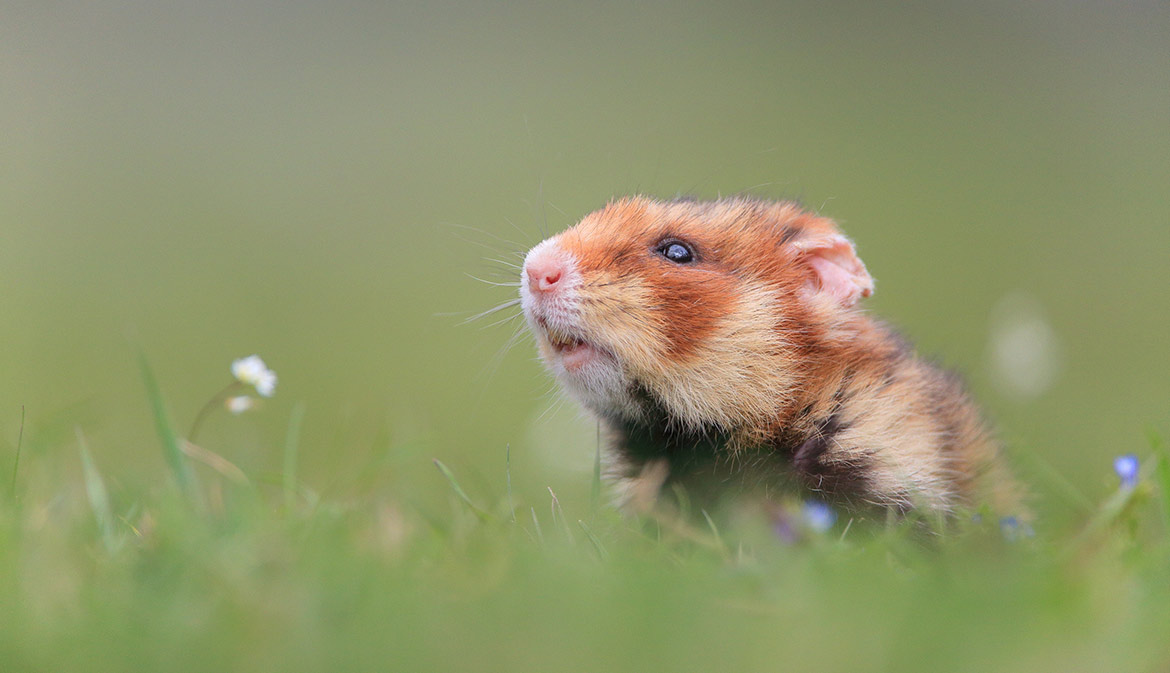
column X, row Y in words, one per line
column 1014, row 529
column 1010, row 527
column 818, row 516
column 1126, row 468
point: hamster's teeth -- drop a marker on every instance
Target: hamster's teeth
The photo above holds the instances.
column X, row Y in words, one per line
column 562, row 340
column 559, row 339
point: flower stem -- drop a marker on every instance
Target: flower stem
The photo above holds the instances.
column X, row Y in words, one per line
column 19, row 442
column 211, row 404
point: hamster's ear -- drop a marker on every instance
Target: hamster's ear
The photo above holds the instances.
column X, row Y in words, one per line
column 836, row 268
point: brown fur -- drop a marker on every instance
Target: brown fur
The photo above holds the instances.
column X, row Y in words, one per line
column 742, row 362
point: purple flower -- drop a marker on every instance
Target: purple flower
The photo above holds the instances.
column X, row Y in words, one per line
column 1126, row 468
column 818, row 516
column 783, row 528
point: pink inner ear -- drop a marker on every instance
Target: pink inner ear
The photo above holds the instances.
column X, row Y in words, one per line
column 839, row 272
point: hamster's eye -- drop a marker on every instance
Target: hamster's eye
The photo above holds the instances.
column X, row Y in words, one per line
column 676, row 251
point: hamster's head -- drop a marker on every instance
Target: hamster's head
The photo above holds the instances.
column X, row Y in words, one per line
column 697, row 310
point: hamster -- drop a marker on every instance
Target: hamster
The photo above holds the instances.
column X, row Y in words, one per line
column 720, row 344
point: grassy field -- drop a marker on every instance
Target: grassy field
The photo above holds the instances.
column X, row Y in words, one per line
column 216, row 569
column 185, row 184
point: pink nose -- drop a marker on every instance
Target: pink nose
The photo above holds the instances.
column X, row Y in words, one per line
column 544, row 273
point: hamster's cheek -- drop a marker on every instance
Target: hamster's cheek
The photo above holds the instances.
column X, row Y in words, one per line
column 617, row 313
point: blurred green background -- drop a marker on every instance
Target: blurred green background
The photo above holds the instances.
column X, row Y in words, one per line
column 317, row 182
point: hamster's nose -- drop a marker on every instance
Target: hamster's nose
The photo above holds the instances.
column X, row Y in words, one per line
column 544, row 273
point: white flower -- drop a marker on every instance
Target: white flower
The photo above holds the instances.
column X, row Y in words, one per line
column 239, row 404
column 1024, row 348
column 252, row 371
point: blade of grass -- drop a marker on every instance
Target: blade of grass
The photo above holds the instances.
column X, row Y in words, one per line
column 210, row 406
column 19, row 443
column 595, row 488
column 1162, row 472
column 670, row 523
column 1110, row 511
column 593, row 538
column 1058, row 480
column 714, row 531
column 846, row 531
column 536, row 525
column 558, row 515
column 291, row 446
column 172, row 445
column 99, row 498
column 508, row 476
column 216, row 462
column 683, row 499
column 483, row 514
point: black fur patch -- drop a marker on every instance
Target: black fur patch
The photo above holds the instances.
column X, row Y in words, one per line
column 662, row 436
column 830, row 476
column 693, row 455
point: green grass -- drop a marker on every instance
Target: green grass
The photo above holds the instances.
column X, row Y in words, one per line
column 266, row 573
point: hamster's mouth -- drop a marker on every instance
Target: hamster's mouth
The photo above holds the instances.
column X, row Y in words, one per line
column 573, row 351
column 564, row 343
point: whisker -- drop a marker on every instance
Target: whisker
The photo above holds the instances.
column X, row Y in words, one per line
column 492, row 282
column 511, row 244
column 486, row 246
column 517, row 228
column 496, row 360
column 554, row 207
column 558, row 401
column 508, row 304
column 504, row 262
column 502, row 320
column 493, row 273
